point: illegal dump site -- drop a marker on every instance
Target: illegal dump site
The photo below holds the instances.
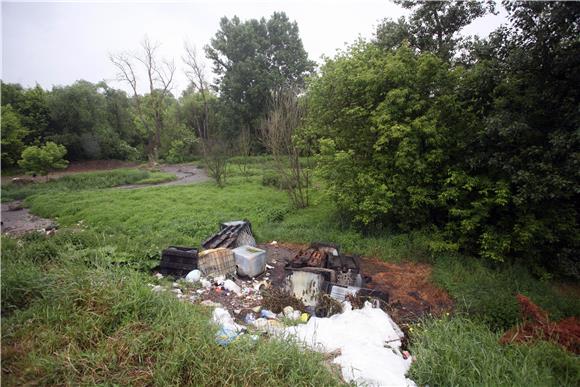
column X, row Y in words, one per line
column 200, row 285
column 314, row 294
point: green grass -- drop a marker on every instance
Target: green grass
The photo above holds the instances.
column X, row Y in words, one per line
column 73, row 321
column 84, row 181
column 488, row 294
column 118, row 231
column 157, row 178
column 460, row 352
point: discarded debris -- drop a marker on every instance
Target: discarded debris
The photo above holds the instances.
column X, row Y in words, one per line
column 368, row 341
column 268, row 314
column 305, row 286
column 276, row 299
column 231, row 235
column 178, row 261
column 228, row 329
column 217, row 262
column 250, row 261
column 193, row 276
column 232, row 287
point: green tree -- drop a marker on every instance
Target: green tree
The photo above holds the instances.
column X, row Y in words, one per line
column 517, row 191
column 433, row 26
column 41, row 160
column 390, row 126
column 150, row 110
column 251, row 58
column 79, row 121
column 31, row 105
column 13, row 135
column 487, row 154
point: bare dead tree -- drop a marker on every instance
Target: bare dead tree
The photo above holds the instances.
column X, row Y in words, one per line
column 286, row 115
column 215, row 148
column 244, row 150
column 160, row 73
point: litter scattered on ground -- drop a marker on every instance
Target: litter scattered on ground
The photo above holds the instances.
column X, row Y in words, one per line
column 228, row 329
column 231, row 235
column 217, row 262
column 250, row 260
column 369, row 342
column 193, row 276
column 330, row 301
column 178, row 260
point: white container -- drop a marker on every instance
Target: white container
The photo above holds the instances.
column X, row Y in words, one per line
column 250, row 260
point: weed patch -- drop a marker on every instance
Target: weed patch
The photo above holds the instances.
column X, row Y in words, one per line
column 459, row 352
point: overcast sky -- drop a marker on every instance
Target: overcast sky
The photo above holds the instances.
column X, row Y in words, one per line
column 57, row 43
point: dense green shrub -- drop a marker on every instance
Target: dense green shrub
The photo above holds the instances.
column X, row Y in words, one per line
column 41, row 160
column 487, row 153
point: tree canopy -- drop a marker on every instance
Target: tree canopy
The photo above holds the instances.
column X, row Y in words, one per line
column 487, row 154
column 250, row 59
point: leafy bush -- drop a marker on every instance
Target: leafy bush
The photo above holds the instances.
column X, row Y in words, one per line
column 406, row 140
column 180, row 151
column 271, row 180
column 276, row 181
column 13, row 134
column 43, row 159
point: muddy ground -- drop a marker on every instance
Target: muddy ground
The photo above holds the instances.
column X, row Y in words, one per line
column 412, row 295
column 17, row 220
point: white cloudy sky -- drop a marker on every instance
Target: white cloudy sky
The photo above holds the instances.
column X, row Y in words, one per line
column 57, row 43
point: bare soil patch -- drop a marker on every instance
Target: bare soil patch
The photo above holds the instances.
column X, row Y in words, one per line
column 17, row 220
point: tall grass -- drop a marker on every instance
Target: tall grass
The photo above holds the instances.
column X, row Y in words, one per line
column 488, row 293
column 76, row 312
column 90, row 323
column 460, row 352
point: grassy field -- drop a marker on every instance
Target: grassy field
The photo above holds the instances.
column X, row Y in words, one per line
column 71, row 301
column 82, row 181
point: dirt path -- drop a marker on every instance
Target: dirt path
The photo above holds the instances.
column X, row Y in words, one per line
column 76, row 167
column 186, row 174
column 17, row 220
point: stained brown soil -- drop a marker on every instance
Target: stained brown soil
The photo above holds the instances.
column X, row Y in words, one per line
column 412, row 294
column 538, row 326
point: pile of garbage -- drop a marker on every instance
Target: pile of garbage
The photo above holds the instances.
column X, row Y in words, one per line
column 310, row 304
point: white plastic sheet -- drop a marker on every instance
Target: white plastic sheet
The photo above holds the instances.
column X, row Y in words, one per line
column 369, row 344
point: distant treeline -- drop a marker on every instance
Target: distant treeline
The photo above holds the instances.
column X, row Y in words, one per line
column 96, row 121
